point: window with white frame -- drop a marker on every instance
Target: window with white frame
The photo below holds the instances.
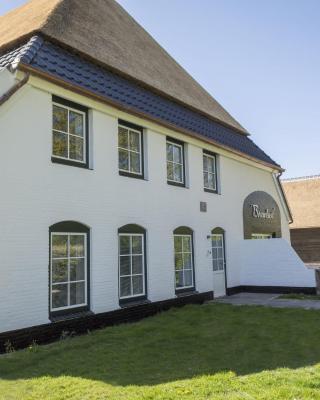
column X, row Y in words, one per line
column 131, row 265
column 217, row 250
column 130, row 148
column 69, row 132
column 183, row 261
column 175, row 162
column 68, row 272
column 209, row 172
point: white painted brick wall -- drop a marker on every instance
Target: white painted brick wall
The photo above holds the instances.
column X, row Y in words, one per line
column 36, row 193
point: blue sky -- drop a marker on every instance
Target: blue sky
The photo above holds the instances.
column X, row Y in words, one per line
column 259, row 59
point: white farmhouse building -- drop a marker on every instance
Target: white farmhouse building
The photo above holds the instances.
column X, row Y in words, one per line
column 125, row 187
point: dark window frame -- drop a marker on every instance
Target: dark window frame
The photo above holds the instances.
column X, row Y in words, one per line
column 85, row 110
column 70, row 227
column 214, row 155
column 134, row 229
column 184, row 230
column 182, row 144
column 141, row 130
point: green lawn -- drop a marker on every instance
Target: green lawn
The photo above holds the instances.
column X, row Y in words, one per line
column 213, row 351
column 299, row 296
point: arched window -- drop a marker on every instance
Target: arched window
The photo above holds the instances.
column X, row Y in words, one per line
column 183, row 259
column 132, row 263
column 217, row 249
column 69, row 267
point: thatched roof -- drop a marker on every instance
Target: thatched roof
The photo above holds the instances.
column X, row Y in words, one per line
column 303, row 195
column 104, row 32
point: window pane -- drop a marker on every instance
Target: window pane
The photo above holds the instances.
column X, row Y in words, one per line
column 178, row 173
column 177, row 154
column 59, row 144
column 60, row 118
column 125, row 265
column 124, row 160
column 123, row 137
column 210, row 164
column 187, row 278
column 137, row 264
column 76, row 123
column 77, row 269
column 124, row 244
column 178, row 261
column 137, row 283
column 186, row 243
column 170, row 171
column 221, row 265
column 220, row 252
column 125, row 286
column 205, row 163
column 214, row 253
column 187, row 257
column 59, row 296
column 59, row 270
column 76, row 148
column 77, row 293
column 177, row 243
column 59, row 246
column 212, row 181
column 135, row 162
column 169, row 152
column 77, row 245
column 179, row 279
column 136, row 244
column 134, row 141
column 206, row 179
column 215, row 265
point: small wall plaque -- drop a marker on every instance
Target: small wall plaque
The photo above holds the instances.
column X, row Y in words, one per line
column 203, row 206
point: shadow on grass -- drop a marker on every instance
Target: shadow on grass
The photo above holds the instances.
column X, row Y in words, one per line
column 179, row 344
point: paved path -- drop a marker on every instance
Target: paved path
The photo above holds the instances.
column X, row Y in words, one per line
column 267, row 299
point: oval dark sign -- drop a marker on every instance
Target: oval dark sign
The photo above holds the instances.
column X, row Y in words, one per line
column 261, row 216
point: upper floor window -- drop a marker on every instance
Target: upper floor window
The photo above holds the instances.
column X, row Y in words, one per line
column 209, row 172
column 130, row 147
column 69, row 133
column 69, row 265
column 175, row 162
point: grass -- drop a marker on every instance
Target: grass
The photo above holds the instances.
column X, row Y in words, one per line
column 299, row 296
column 215, row 351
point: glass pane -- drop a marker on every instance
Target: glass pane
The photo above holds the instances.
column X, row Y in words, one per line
column 187, row 261
column 179, row 279
column 206, row 180
column 124, row 160
column 177, row 154
column 214, row 253
column 212, row 181
column 169, row 152
column 77, row 293
column 135, row 162
column 76, row 148
column 219, row 240
column 60, row 118
column 124, row 244
column 178, row 261
column 76, row 123
column 221, row 265
column 123, row 138
column 59, row 246
column 137, row 264
column 205, row 163
column 215, row 265
column 125, row 286
column 59, row 144
column 170, row 171
column 178, row 173
column 186, row 243
column 125, row 265
column 134, row 141
column 187, row 278
column 177, row 243
column 220, row 252
column 137, row 283
column 136, row 244
column 210, row 164
column 59, row 296
column 59, row 270
column 77, row 246
column 77, row 269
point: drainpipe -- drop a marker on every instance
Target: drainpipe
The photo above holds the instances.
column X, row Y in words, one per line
column 5, row 97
